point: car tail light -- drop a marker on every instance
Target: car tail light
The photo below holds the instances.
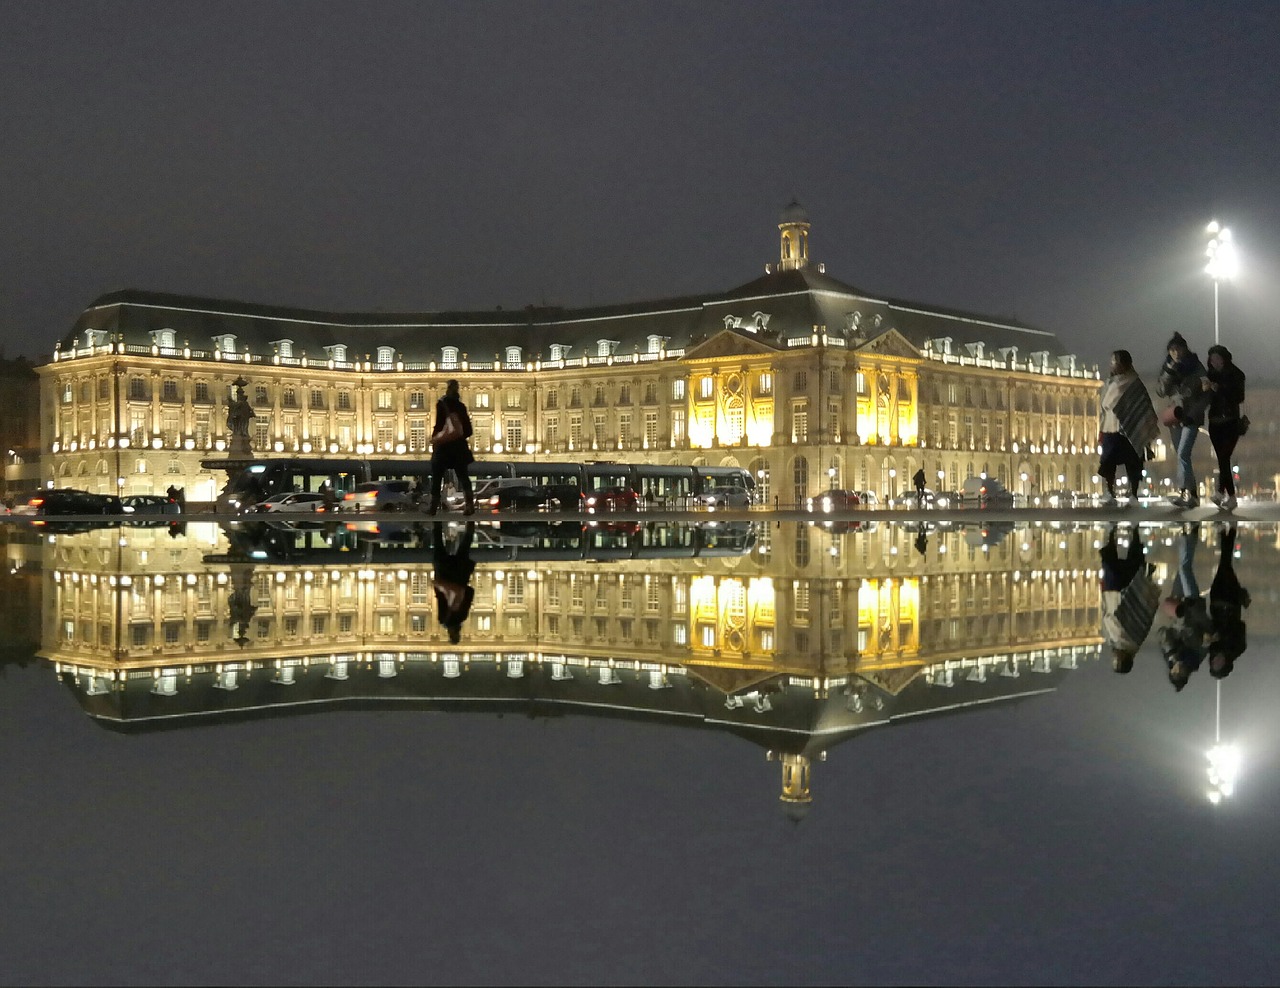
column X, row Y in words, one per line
column 348, row 497
column 35, row 502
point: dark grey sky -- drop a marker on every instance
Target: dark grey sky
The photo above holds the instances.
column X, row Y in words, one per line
column 1056, row 162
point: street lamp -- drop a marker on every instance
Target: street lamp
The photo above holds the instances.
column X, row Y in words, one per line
column 1223, row 264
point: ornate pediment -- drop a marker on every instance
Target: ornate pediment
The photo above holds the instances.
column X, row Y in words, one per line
column 728, row 343
column 892, row 343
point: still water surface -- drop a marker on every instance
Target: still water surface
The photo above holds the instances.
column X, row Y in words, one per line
column 654, row 752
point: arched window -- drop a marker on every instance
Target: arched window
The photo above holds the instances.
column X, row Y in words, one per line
column 734, row 422
column 513, row 357
column 449, row 357
column 605, row 347
column 226, row 342
column 786, row 246
column 337, row 352
column 800, row 481
column 655, row 343
column 164, row 338
column 386, row 357
column 284, row 347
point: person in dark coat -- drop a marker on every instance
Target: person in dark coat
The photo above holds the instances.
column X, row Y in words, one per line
column 450, row 449
column 1182, row 382
column 1182, row 641
column 1224, row 382
column 918, row 480
column 1227, row 601
column 452, row 579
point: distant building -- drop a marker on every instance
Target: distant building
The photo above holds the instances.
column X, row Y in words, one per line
column 802, row 379
column 19, row 424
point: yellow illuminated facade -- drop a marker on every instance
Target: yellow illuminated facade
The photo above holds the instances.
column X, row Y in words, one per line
column 800, row 378
column 775, row 636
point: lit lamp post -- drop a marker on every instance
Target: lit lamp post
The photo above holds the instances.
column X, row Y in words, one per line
column 1224, row 760
column 1223, row 264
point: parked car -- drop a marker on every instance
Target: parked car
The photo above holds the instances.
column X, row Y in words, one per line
column 71, row 501
column 835, row 500
column 612, row 499
column 150, row 504
column 379, row 495
column 724, row 497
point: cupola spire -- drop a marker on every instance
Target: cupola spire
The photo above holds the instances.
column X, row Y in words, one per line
column 793, row 228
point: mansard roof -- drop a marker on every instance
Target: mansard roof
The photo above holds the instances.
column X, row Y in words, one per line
column 778, row 306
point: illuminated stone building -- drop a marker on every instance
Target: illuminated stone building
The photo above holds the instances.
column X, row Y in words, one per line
column 793, row 646
column 802, row 379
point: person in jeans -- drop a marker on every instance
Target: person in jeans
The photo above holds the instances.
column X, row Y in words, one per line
column 1182, row 382
column 449, row 447
column 1224, row 382
column 1127, row 425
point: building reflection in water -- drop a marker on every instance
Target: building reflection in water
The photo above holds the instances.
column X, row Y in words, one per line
column 795, row 638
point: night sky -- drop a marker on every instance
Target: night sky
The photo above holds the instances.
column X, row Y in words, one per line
column 1052, row 162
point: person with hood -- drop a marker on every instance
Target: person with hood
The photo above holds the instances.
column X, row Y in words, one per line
column 1224, row 383
column 1127, row 426
column 1182, row 382
column 449, row 447
column 1130, row 599
column 1227, row 600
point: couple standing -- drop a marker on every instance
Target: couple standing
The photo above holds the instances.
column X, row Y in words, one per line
column 1129, row 424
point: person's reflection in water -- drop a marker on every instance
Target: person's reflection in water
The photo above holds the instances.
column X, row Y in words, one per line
column 1227, row 601
column 1130, row 599
column 452, row 578
column 922, row 541
column 1182, row 641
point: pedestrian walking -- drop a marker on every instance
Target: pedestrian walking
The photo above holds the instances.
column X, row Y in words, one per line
column 1127, row 425
column 449, row 447
column 1182, row 382
column 918, row 480
column 1224, row 382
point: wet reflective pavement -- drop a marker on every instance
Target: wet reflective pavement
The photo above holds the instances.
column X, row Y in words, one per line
column 637, row 750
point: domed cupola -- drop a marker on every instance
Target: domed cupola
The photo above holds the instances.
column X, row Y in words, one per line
column 793, row 225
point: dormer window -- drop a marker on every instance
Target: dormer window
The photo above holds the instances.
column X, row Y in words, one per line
column 448, row 357
column 337, row 352
column 164, row 338
column 386, row 357
column 559, row 351
column 656, row 343
column 514, row 360
column 225, row 342
column 95, row 337
column 605, row 348
column 284, row 348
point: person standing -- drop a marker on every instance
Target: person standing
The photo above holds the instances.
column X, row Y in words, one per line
column 1182, row 382
column 1227, row 601
column 1130, row 599
column 449, row 447
column 1127, row 425
column 918, row 480
column 1224, row 382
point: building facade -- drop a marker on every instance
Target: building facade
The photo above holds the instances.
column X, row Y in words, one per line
column 802, row 379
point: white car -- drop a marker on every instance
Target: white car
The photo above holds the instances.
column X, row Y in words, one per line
column 379, row 495
column 724, row 497
column 297, row 501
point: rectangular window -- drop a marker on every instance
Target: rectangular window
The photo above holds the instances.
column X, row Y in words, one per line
column 260, row 395
column 384, row 400
column 552, row 432
column 706, row 388
column 104, row 388
column 417, row 399
column 261, row 435
column 553, row 398
column 766, row 383
column 481, row 399
column 624, row 428
column 575, row 432
column 597, row 430
column 801, row 380
column 344, row 401
column 289, row 398
column 417, row 435
column 169, row 391
column 137, row 389
column 386, row 435
column 650, row 429
column 861, row 380
column 513, row 398
column 678, row 390
column 515, row 434
column 317, row 398
column 799, row 423
column 677, row 425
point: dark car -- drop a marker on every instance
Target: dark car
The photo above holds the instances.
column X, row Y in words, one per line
column 530, row 497
column 835, row 500
column 150, row 504
column 612, row 499
column 71, row 501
